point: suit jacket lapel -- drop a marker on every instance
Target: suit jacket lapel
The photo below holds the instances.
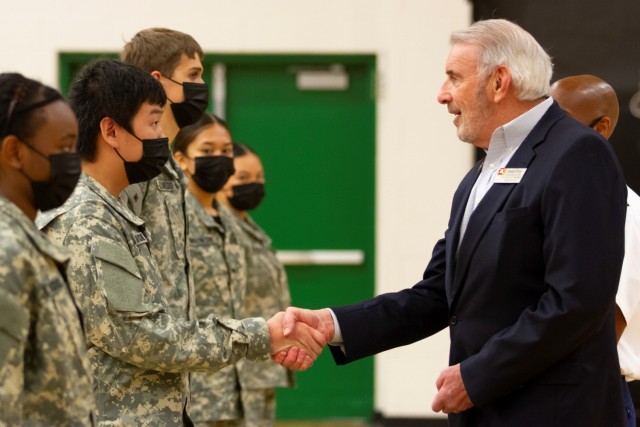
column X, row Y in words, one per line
column 453, row 237
column 495, row 199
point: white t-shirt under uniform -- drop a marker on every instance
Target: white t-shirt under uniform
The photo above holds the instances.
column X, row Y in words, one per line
column 628, row 297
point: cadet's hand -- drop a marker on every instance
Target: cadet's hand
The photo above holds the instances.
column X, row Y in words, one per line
column 452, row 396
column 299, row 349
column 317, row 319
column 294, row 358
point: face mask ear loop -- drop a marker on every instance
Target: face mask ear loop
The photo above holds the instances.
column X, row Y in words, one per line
column 122, row 158
column 34, row 149
column 132, row 134
column 171, row 80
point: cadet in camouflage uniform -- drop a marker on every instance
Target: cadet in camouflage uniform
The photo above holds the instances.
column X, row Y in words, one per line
column 204, row 152
column 266, row 290
column 137, row 348
column 174, row 58
column 45, row 377
column 170, row 56
column 220, row 270
column 139, row 351
column 161, row 203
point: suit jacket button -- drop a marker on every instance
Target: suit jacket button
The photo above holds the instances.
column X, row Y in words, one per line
column 453, row 320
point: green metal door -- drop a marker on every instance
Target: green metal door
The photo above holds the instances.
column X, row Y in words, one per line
column 317, row 144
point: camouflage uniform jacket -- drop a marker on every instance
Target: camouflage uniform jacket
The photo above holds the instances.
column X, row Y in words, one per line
column 137, row 349
column 161, row 205
column 220, row 273
column 266, row 293
column 45, row 378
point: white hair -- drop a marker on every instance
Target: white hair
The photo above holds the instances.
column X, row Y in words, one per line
column 504, row 43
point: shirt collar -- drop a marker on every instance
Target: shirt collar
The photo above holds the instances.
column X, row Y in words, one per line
column 508, row 137
column 115, row 203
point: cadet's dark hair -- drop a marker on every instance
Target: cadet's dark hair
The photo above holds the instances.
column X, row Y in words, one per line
column 20, row 102
column 108, row 88
column 241, row 149
column 187, row 134
column 160, row 49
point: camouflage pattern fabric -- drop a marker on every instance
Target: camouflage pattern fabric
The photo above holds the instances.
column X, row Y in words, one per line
column 266, row 293
column 220, row 273
column 259, row 407
column 45, row 377
column 224, row 423
column 161, row 205
column 138, row 350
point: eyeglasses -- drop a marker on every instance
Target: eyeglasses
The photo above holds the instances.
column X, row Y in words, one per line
column 17, row 96
column 595, row 122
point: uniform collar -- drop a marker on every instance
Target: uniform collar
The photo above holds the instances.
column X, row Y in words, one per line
column 58, row 253
column 104, row 194
column 203, row 215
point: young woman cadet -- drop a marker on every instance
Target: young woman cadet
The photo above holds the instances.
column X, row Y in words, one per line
column 44, row 368
column 204, row 153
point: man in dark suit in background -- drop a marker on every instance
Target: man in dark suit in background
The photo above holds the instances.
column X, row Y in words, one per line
column 526, row 274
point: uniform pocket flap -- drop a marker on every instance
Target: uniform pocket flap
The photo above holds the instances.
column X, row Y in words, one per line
column 116, row 255
column 14, row 319
column 121, row 280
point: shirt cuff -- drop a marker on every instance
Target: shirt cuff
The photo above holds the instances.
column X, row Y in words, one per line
column 337, row 334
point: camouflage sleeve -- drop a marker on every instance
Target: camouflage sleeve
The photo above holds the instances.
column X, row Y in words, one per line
column 127, row 317
column 283, row 281
column 14, row 329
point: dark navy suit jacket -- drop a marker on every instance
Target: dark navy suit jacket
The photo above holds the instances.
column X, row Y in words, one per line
column 528, row 295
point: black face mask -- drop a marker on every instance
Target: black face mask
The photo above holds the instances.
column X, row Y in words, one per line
column 212, row 172
column 65, row 171
column 155, row 153
column 196, row 101
column 247, row 197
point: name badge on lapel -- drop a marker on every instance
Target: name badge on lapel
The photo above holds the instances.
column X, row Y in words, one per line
column 509, row 175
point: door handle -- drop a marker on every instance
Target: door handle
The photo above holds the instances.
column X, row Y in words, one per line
column 321, row 257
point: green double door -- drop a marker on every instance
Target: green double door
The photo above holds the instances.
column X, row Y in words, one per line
column 312, row 121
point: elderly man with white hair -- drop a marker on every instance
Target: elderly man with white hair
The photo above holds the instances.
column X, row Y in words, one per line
column 526, row 274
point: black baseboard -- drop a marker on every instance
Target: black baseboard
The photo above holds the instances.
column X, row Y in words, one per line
column 379, row 420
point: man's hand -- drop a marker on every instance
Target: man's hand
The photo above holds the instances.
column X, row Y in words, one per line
column 320, row 320
column 452, row 396
column 299, row 348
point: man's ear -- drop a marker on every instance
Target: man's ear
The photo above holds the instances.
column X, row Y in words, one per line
column 110, row 132
column 500, row 83
column 156, row 75
column 603, row 126
column 11, row 151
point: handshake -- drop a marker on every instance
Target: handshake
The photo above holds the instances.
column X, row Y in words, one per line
column 298, row 336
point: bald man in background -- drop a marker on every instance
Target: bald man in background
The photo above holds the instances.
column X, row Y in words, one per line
column 593, row 102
